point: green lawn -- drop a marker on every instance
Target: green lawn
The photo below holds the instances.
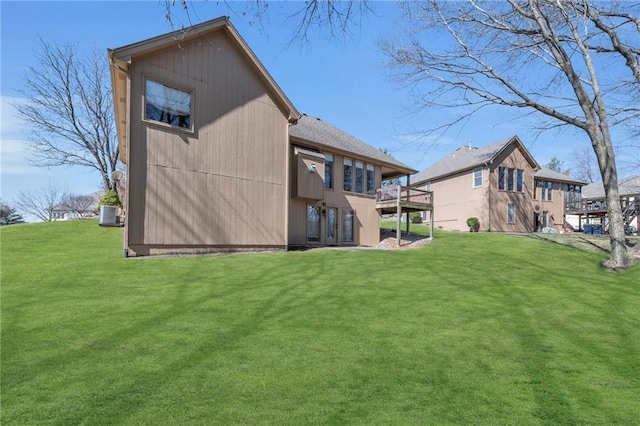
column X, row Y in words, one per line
column 469, row 329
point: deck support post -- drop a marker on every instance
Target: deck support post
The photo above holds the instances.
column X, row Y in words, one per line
column 431, row 223
column 399, row 215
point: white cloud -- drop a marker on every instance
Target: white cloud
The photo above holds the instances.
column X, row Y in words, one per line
column 10, row 126
column 14, row 158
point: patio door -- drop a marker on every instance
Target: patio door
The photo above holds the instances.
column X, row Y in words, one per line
column 313, row 224
column 332, row 226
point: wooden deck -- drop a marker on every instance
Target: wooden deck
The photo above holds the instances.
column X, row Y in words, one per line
column 399, row 200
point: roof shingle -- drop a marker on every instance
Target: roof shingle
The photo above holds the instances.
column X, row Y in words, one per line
column 319, row 132
column 463, row 158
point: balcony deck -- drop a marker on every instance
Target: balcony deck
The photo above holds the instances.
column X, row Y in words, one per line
column 402, row 199
column 409, row 200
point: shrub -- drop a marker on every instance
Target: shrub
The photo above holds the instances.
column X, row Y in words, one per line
column 110, row 198
column 473, row 223
column 415, row 217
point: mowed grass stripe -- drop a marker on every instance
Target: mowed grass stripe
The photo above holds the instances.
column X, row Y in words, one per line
column 470, row 329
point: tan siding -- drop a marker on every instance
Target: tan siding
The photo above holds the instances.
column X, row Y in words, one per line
column 224, row 183
column 455, row 199
column 512, row 158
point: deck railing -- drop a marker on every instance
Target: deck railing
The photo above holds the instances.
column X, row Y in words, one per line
column 405, row 193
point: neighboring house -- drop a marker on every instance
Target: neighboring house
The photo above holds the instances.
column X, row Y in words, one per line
column 218, row 157
column 501, row 184
column 82, row 207
column 591, row 207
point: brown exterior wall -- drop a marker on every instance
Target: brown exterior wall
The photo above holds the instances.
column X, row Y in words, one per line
column 224, row 184
column 554, row 209
column 499, row 199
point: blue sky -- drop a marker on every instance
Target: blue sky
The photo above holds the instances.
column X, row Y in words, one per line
column 345, row 82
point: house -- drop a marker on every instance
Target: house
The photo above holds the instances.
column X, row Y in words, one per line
column 591, row 206
column 219, row 159
column 77, row 207
column 501, row 184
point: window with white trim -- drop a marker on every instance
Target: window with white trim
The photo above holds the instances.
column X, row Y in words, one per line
column 477, row 177
column 167, row 105
column 520, row 181
column 510, row 179
column 511, row 213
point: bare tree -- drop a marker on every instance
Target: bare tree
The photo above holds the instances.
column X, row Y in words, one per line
column 41, row 203
column 551, row 57
column 69, row 109
column 80, row 204
column 585, row 166
column 334, row 17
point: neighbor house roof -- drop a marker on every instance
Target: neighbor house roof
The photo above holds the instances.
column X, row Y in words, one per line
column 120, row 58
column 468, row 157
column 548, row 174
column 320, row 134
column 629, row 186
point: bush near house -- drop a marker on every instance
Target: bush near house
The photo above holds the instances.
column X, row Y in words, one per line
column 110, row 198
column 322, row 336
column 416, row 217
column 474, row 224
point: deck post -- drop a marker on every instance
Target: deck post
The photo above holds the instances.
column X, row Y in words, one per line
column 399, row 215
column 408, row 201
column 431, row 223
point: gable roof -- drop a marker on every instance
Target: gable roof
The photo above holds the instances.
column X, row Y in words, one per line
column 548, row 174
column 120, row 58
column 629, row 186
column 318, row 133
column 466, row 158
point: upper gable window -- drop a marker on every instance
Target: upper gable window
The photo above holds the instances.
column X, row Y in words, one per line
column 477, row 177
column 167, row 104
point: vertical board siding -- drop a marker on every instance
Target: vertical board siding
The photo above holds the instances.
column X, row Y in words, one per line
column 223, row 184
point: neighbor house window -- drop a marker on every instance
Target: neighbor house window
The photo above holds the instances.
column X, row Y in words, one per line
column 520, row 181
column 546, row 188
column 167, row 105
column 347, row 226
column 511, row 213
column 477, row 177
column 510, row 173
column 348, row 174
column 359, row 177
column 371, row 179
column 510, row 179
column 328, row 171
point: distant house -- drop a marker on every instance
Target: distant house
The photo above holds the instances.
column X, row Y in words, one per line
column 591, row 207
column 501, row 184
column 218, row 157
column 77, row 207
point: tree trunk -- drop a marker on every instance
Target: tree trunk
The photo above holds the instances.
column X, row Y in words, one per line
column 618, row 257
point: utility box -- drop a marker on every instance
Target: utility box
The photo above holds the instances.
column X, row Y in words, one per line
column 108, row 216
